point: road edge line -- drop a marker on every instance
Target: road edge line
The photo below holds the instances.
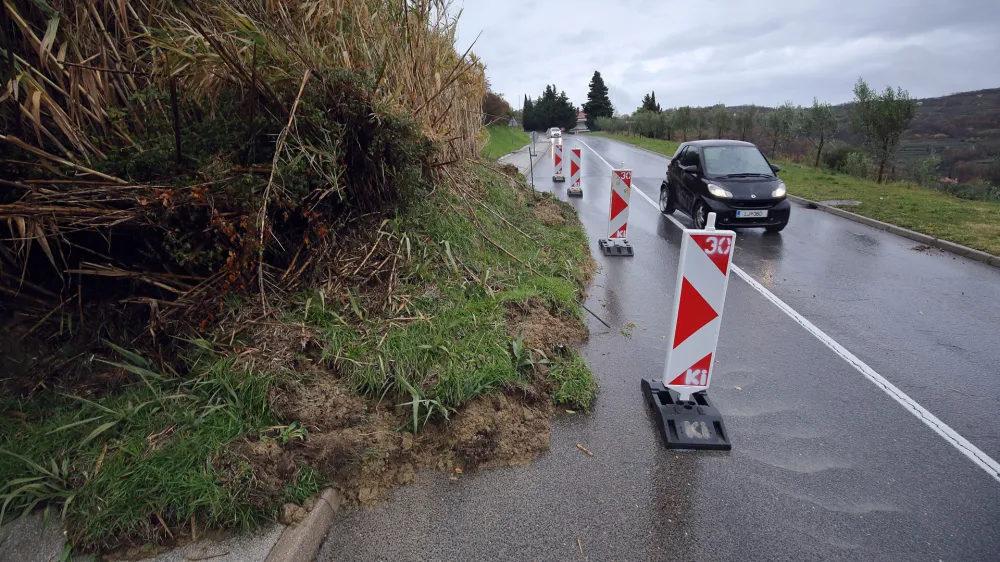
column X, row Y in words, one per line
column 975, row 454
column 941, row 244
column 952, row 437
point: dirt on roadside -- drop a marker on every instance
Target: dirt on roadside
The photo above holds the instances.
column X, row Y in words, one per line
column 549, row 212
column 358, row 446
column 541, row 328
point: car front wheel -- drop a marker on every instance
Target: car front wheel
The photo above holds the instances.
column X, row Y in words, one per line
column 700, row 216
column 667, row 205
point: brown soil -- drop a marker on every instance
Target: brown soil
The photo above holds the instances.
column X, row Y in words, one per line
column 508, row 170
column 549, row 212
column 542, row 329
column 355, row 444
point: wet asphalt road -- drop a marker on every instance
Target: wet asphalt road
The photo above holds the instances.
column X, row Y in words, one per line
column 824, row 465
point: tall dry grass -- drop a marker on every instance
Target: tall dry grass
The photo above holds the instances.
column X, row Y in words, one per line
column 85, row 82
column 76, row 63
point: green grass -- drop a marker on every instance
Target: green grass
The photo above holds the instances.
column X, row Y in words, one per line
column 666, row 148
column 573, row 383
column 504, row 140
column 459, row 286
column 971, row 223
column 165, row 445
column 114, row 464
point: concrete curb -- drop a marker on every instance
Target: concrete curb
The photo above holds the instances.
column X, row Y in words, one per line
column 532, row 162
column 513, row 152
column 301, row 541
column 945, row 245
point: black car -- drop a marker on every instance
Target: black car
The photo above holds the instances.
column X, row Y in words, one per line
column 730, row 178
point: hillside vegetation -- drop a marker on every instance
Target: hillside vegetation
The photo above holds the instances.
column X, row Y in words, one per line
column 955, row 137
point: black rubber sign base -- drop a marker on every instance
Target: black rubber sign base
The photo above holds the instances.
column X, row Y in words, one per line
column 574, row 191
column 694, row 424
column 558, row 178
column 615, row 247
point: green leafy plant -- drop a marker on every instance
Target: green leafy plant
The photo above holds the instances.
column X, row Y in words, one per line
column 524, row 357
column 856, row 164
column 421, row 405
column 571, row 383
column 47, row 484
column 284, row 433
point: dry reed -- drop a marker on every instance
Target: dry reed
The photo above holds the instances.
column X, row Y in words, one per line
column 86, row 82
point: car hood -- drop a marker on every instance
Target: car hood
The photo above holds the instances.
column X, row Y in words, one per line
column 748, row 188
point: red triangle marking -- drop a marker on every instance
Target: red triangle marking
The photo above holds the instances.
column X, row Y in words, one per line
column 573, row 168
column 617, row 204
column 692, row 314
column 720, row 244
column 558, row 158
column 621, row 232
column 698, row 372
column 625, row 177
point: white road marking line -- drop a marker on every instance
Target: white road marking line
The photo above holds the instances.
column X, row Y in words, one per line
column 976, row 455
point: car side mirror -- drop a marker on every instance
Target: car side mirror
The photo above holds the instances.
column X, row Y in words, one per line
column 693, row 170
column 775, row 168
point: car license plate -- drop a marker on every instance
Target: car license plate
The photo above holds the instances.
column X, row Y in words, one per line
column 751, row 214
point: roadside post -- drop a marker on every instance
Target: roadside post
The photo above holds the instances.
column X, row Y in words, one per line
column 685, row 417
column 531, row 159
column 557, row 160
column 616, row 244
column 575, row 172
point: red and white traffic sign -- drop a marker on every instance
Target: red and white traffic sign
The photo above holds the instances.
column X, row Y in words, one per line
column 621, row 191
column 557, row 160
column 702, row 280
column 575, row 155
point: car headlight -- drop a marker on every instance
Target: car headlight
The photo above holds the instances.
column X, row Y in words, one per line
column 717, row 191
column 780, row 191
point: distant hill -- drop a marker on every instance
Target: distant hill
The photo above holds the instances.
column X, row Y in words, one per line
column 963, row 129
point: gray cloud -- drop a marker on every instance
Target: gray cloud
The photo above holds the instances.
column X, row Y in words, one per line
column 736, row 51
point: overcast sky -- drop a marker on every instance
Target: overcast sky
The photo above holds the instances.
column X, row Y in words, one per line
column 733, row 51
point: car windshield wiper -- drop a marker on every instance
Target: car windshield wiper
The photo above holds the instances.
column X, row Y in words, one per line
column 747, row 175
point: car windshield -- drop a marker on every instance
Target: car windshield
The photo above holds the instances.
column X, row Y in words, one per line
column 735, row 160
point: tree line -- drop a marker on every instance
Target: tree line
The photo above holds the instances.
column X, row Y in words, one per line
column 555, row 110
column 878, row 118
column 551, row 109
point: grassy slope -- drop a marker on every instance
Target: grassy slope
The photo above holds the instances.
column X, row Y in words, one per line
column 504, row 140
column 461, row 283
column 162, row 447
column 972, row 223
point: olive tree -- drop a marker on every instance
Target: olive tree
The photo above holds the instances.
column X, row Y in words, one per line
column 881, row 119
column 745, row 121
column 819, row 123
column 701, row 121
column 684, row 120
column 722, row 121
column 781, row 125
